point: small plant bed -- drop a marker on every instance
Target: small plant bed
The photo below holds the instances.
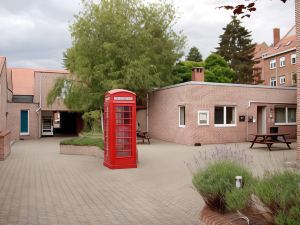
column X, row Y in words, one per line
column 273, row 199
column 85, row 139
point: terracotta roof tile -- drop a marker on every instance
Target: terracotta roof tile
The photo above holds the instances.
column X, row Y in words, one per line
column 23, row 79
column 288, row 42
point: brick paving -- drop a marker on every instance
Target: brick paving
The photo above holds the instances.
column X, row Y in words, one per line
column 39, row 186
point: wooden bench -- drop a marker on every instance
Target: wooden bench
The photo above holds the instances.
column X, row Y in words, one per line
column 143, row 135
column 270, row 139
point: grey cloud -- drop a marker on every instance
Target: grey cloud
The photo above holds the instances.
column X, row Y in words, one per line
column 35, row 33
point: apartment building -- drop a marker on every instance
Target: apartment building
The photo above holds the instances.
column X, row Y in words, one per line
column 279, row 60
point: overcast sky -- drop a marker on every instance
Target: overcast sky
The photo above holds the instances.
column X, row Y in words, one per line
column 35, row 33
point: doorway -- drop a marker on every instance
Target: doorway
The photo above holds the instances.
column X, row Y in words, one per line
column 261, row 119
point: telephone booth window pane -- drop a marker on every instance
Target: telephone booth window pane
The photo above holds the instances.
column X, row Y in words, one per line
column 123, row 116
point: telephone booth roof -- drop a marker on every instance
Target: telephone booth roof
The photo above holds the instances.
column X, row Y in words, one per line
column 114, row 91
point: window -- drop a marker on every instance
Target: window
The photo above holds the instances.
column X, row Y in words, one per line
column 294, row 78
column 273, row 64
column 273, row 82
column 282, row 79
column 24, row 122
column 282, row 61
column 181, row 116
column 203, row 118
column 293, row 59
column 285, row 115
column 225, row 116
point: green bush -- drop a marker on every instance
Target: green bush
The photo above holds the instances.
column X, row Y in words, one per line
column 92, row 121
column 216, row 184
column 281, row 193
column 84, row 141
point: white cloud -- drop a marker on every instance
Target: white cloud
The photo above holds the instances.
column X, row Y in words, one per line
column 35, row 33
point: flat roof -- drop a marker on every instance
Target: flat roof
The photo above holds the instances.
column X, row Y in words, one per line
column 224, row 84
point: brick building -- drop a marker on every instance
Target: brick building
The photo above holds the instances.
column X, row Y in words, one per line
column 297, row 16
column 278, row 62
column 27, row 114
column 205, row 113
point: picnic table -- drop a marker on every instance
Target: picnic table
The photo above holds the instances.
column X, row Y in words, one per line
column 270, row 139
column 144, row 135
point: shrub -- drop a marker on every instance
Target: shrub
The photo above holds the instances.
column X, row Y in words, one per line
column 280, row 192
column 216, row 184
column 92, row 121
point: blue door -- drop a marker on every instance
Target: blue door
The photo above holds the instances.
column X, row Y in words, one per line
column 24, row 122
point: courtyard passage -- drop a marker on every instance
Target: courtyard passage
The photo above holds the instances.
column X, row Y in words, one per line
column 39, row 186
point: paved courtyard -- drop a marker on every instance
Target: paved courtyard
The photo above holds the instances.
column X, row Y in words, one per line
column 40, row 186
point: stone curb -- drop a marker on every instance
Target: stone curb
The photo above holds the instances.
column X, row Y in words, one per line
column 81, row 150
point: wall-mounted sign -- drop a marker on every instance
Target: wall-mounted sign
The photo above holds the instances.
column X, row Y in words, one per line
column 242, row 118
column 123, row 98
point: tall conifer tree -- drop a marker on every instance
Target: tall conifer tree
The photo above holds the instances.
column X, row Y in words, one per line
column 238, row 50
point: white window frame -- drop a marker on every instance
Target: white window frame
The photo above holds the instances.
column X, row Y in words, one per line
column 282, row 61
column 271, row 81
column 224, row 116
column 286, row 117
column 207, row 116
column 293, row 56
column 26, row 133
column 282, row 79
column 273, row 64
column 180, row 125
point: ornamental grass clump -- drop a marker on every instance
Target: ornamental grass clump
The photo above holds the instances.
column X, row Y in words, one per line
column 280, row 192
column 216, row 184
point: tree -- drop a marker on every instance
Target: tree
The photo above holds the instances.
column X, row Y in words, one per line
column 119, row 44
column 194, row 55
column 183, row 70
column 218, row 70
column 238, row 50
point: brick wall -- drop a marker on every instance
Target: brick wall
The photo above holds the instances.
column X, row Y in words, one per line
column 286, row 71
column 3, row 97
column 164, row 112
column 297, row 8
column 13, row 120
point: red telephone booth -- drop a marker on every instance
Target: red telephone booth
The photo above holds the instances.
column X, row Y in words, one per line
column 120, row 129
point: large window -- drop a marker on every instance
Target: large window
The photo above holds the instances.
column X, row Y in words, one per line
column 181, row 116
column 285, row 115
column 273, row 82
column 225, row 116
column 293, row 59
column 203, row 118
column 294, row 78
column 273, row 64
column 282, row 61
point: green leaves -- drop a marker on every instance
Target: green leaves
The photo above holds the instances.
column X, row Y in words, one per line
column 121, row 44
column 238, row 50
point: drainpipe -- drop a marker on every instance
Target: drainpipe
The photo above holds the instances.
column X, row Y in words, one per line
column 40, row 107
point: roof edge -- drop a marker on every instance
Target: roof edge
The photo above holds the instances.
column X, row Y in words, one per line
column 224, row 84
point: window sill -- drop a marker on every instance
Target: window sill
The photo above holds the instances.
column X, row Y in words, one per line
column 285, row 124
column 203, row 124
column 225, row 125
column 272, row 68
column 181, row 126
column 24, row 134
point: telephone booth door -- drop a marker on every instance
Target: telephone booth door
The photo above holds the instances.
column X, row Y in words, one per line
column 120, row 129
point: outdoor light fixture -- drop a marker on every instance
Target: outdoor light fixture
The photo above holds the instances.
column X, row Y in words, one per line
column 238, row 181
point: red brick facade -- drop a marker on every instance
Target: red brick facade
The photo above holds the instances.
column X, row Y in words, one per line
column 297, row 8
column 200, row 96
